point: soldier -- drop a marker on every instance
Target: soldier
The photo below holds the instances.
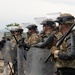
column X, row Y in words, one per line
column 17, row 33
column 33, row 38
column 48, row 39
column 64, row 55
column 10, row 49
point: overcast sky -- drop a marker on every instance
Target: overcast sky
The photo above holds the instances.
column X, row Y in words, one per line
column 24, row 11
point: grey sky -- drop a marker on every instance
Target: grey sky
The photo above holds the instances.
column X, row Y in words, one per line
column 22, row 11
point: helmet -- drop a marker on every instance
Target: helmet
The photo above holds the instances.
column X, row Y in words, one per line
column 48, row 22
column 65, row 18
column 32, row 26
column 65, row 14
column 16, row 29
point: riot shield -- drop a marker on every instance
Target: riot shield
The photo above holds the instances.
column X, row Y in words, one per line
column 35, row 62
column 21, row 60
column 9, row 52
column 12, row 53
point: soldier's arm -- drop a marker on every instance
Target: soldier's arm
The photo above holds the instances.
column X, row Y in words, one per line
column 70, row 54
column 46, row 42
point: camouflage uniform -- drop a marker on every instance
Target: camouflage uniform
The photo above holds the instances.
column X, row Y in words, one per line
column 17, row 37
column 34, row 38
column 64, row 58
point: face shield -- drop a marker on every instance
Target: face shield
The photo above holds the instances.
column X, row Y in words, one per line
column 54, row 16
column 38, row 21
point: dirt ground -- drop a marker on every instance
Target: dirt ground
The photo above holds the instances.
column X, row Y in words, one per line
column 1, row 67
column 1, row 64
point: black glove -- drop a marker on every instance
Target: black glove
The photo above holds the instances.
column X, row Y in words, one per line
column 27, row 46
column 21, row 42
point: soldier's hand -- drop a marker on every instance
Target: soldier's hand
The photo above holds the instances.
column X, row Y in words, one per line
column 56, row 53
column 53, row 49
column 21, row 42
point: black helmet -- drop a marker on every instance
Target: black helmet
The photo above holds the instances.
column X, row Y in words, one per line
column 48, row 22
column 65, row 18
column 32, row 26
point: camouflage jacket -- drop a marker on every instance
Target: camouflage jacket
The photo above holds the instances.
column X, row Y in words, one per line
column 59, row 62
column 33, row 39
column 14, row 42
column 18, row 38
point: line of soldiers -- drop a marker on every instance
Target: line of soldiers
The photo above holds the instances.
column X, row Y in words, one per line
column 62, row 56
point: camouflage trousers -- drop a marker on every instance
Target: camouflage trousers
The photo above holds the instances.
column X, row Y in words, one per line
column 65, row 71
